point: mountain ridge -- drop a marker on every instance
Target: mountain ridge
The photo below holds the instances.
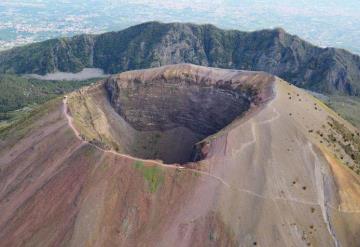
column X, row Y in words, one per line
column 153, row 44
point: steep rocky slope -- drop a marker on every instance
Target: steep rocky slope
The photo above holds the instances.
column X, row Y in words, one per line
column 277, row 174
column 153, row 44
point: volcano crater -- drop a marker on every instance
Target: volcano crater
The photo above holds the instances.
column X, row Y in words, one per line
column 170, row 114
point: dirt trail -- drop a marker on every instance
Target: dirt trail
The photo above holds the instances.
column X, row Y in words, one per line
column 71, row 125
column 322, row 197
column 265, row 180
column 219, row 179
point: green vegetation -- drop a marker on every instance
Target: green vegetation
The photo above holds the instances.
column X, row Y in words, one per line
column 18, row 95
column 143, row 46
column 349, row 141
column 347, row 106
column 23, row 121
column 150, row 44
column 17, row 92
column 7, row 118
column 152, row 174
column 63, row 54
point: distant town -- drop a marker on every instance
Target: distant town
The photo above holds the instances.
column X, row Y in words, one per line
column 25, row 21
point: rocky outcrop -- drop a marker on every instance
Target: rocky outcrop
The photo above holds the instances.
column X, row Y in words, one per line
column 178, row 96
column 194, row 102
column 283, row 175
column 153, row 44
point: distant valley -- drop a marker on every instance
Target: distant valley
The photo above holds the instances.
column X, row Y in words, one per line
column 178, row 134
column 152, row 44
column 329, row 71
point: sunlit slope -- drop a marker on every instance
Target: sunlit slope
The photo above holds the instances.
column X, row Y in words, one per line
column 283, row 174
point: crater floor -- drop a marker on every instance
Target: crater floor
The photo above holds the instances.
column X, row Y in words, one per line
column 279, row 175
column 168, row 113
column 171, row 114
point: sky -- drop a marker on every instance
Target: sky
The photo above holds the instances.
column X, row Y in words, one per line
column 324, row 23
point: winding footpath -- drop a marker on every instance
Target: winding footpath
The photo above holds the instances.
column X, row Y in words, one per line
column 173, row 166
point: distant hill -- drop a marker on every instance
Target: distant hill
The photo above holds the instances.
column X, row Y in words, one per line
column 17, row 92
column 152, row 44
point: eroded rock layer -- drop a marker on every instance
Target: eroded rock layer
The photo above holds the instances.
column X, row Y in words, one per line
column 283, row 174
column 193, row 102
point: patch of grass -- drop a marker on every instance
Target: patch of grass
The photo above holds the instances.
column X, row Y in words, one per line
column 8, row 118
column 139, row 165
column 153, row 175
column 196, row 174
column 22, row 123
column 17, row 92
column 347, row 106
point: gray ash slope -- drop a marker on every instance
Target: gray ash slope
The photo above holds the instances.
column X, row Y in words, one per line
column 153, row 44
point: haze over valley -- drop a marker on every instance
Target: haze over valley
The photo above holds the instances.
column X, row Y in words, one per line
column 170, row 133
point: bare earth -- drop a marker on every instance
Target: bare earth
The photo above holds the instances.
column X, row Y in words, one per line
column 268, row 179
